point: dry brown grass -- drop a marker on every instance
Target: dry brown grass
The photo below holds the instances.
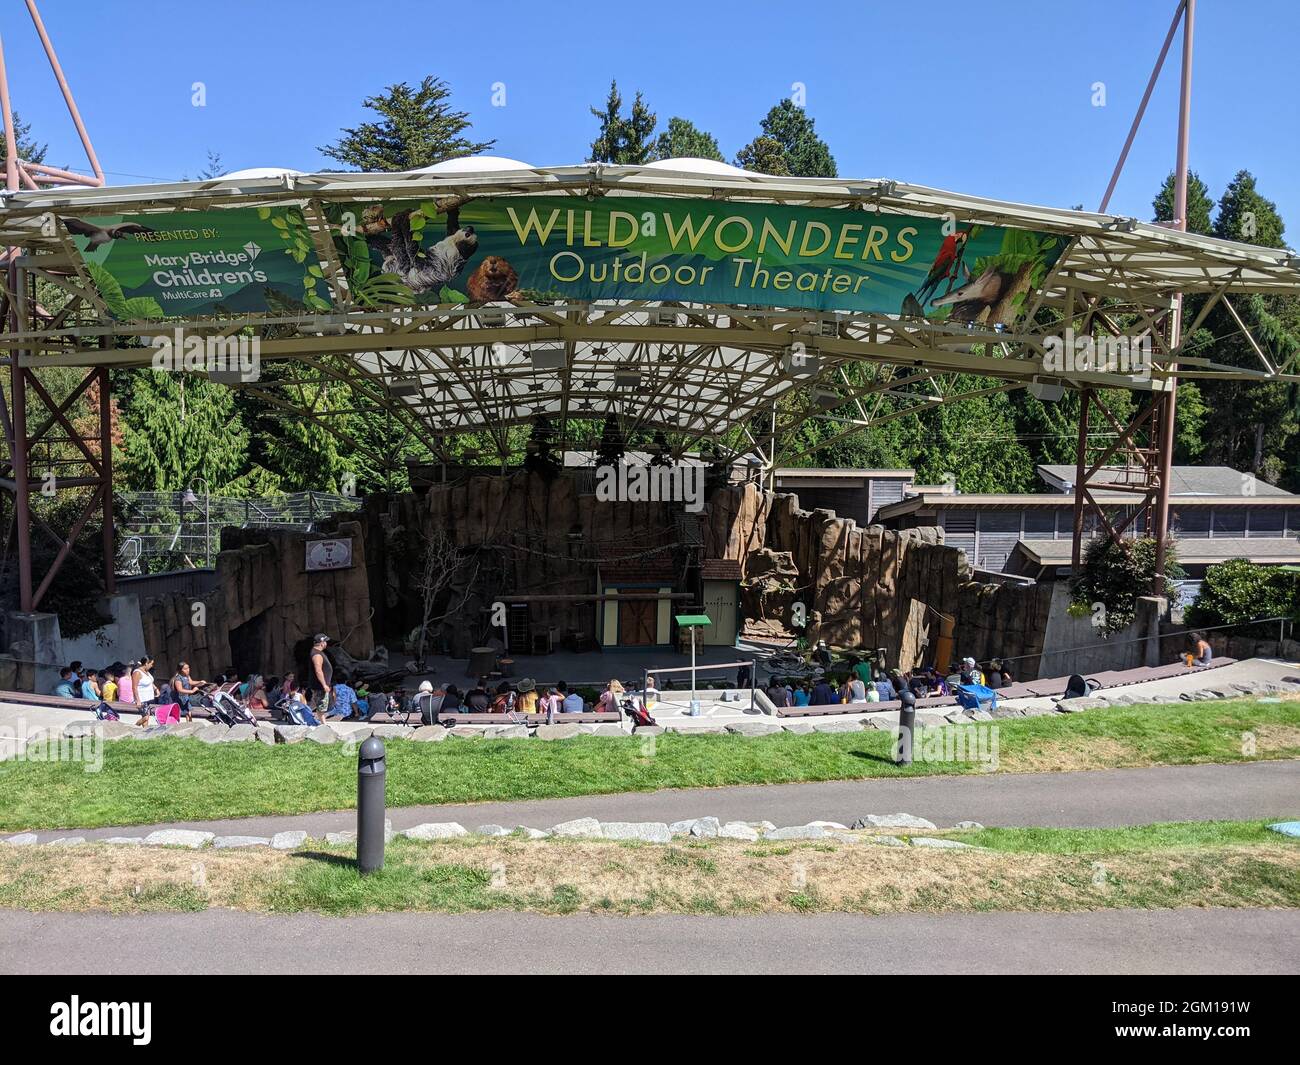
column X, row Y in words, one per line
column 719, row 876
column 1067, row 756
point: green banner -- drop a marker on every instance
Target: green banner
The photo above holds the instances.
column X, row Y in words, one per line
column 631, row 248
column 202, row 262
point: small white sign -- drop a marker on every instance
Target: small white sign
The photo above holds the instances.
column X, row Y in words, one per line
column 329, row 554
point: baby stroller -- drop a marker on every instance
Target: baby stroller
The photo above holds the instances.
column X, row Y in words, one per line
column 229, row 710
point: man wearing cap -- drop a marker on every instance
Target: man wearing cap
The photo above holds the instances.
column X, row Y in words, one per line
column 322, row 670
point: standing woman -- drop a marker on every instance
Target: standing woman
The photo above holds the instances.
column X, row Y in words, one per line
column 146, row 690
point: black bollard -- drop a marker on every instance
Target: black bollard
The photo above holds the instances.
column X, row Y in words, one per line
column 371, row 772
column 906, row 727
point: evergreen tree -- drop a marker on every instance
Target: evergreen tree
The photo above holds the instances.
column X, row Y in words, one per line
column 763, row 155
column 1246, row 216
column 682, row 140
column 1199, row 204
column 623, row 140
column 805, row 153
column 178, row 428
column 29, row 151
column 416, row 128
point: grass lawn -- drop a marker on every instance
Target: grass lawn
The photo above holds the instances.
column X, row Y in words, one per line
column 185, row 779
column 1155, row 866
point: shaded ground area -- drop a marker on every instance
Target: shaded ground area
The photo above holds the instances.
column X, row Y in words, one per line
column 1159, row 941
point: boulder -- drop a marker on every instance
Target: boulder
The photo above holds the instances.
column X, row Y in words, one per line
column 1074, row 706
column 797, row 832
column 648, row 730
column 224, row 842
column 435, row 830
column 837, row 726
column 754, row 728
column 322, row 734
column 214, row 733
column 23, row 839
column 582, row 827
column 506, row 732
column 240, row 734
column 530, row 833
column 565, row 731
column 123, row 841
column 66, row 841
column 700, row 827
column 291, row 733
column 800, row 728
column 429, row 734
column 468, row 732
column 738, row 830
column 339, row 839
column 178, row 837
column 893, row 821
column 646, row 831
column 607, row 728
column 391, row 732
column 287, row 841
column 968, row 824
column 266, row 734
column 492, row 830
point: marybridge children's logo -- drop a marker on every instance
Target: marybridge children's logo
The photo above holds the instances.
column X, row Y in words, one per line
column 228, row 357
column 652, row 484
column 119, row 1019
column 1070, row 354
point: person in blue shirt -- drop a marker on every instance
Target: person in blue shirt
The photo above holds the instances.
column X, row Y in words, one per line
column 345, row 700
column 801, row 696
column 572, row 702
column 66, row 688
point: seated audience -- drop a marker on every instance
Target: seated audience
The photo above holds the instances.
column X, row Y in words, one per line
column 823, row 694
column 345, row 699
column 608, row 702
column 503, row 702
column 66, row 687
column 777, row 693
column 572, row 702
column 526, row 699
column 802, row 695
column 477, row 700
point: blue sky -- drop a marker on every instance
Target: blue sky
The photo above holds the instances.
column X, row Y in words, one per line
column 992, row 99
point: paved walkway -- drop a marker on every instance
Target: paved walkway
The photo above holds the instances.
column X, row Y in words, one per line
column 217, row 941
column 1096, row 799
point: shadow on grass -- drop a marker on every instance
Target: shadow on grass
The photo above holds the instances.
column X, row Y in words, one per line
column 326, row 858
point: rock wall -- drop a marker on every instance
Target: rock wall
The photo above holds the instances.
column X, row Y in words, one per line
column 265, row 608
column 871, row 587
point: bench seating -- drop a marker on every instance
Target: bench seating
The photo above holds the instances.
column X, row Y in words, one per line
column 455, row 717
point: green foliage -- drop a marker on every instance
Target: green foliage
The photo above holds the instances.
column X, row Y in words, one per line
column 28, row 150
column 1238, row 591
column 416, row 128
column 804, row 153
column 682, row 140
column 763, row 155
column 623, row 139
column 118, row 305
column 1199, row 204
column 178, row 429
column 1115, row 578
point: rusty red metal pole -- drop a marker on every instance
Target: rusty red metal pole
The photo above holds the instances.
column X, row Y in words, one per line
column 1169, row 406
column 106, row 467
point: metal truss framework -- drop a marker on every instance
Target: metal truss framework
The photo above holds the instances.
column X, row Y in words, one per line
column 731, row 380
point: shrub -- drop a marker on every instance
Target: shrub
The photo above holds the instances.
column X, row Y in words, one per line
column 1237, row 592
column 1116, row 577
